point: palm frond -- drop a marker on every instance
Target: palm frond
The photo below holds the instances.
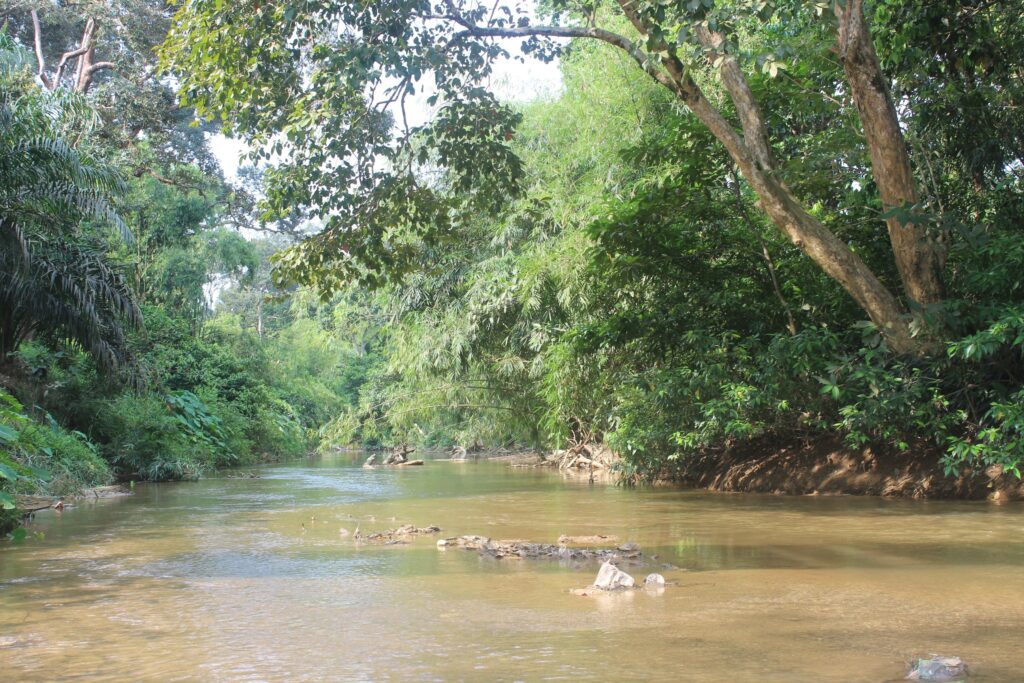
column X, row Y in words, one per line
column 55, row 279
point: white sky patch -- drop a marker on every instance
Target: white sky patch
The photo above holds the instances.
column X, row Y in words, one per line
column 228, row 152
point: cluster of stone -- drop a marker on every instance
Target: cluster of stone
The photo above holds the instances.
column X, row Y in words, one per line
column 629, row 552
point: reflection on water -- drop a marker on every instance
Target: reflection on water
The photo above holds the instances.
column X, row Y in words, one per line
column 251, row 579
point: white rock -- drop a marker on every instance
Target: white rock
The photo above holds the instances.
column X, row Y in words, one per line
column 610, row 578
column 654, row 580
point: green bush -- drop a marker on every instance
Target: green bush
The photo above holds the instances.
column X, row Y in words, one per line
column 144, row 438
column 71, row 459
column 42, row 458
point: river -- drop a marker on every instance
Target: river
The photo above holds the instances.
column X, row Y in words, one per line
column 251, row 580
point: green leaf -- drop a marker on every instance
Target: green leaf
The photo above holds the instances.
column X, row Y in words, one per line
column 6, row 472
column 40, row 474
column 7, row 435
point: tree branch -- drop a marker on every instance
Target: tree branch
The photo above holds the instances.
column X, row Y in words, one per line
column 71, row 55
column 101, row 65
column 691, row 94
column 38, row 42
column 755, row 133
column 67, row 56
column 609, row 37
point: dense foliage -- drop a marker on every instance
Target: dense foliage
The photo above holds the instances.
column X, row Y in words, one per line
column 137, row 340
column 687, row 249
column 737, row 221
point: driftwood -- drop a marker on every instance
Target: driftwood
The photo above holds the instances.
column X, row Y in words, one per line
column 27, row 504
column 400, row 455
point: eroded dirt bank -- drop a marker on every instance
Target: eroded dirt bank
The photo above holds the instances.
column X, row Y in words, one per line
column 823, row 467
column 827, row 467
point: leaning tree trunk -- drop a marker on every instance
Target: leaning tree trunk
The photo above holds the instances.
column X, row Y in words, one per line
column 831, row 254
column 918, row 258
column 752, row 154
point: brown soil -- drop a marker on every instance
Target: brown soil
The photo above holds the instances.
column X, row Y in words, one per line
column 827, row 467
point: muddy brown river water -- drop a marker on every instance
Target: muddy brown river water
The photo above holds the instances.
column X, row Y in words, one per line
column 251, row 580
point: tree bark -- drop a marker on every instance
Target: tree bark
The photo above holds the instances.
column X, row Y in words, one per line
column 37, row 42
column 918, row 258
column 83, row 72
column 259, row 314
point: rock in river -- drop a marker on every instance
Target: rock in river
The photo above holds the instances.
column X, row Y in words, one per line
column 946, row 669
column 598, row 539
column 611, row 578
column 401, row 534
column 654, row 580
column 520, row 549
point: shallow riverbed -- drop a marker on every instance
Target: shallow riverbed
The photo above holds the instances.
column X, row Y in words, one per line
column 250, row 580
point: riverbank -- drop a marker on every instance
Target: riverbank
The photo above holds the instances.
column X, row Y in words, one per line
column 827, row 467
column 823, row 467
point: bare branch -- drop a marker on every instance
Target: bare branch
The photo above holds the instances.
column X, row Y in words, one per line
column 70, row 55
column 609, row 37
column 101, row 65
column 38, row 41
column 84, row 50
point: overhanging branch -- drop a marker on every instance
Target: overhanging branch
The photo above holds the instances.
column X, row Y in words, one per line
column 588, row 32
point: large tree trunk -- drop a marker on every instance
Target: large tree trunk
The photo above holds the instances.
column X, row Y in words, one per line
column 752, row 154
column 832, row 255
column 919, row 259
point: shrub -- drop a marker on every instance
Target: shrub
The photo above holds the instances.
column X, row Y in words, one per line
column 145, row 439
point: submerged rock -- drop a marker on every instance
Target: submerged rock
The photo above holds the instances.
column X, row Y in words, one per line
column 629, row 550
column 946, row 669
column 611, row 578
column 518, row 548
column 654, row 580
